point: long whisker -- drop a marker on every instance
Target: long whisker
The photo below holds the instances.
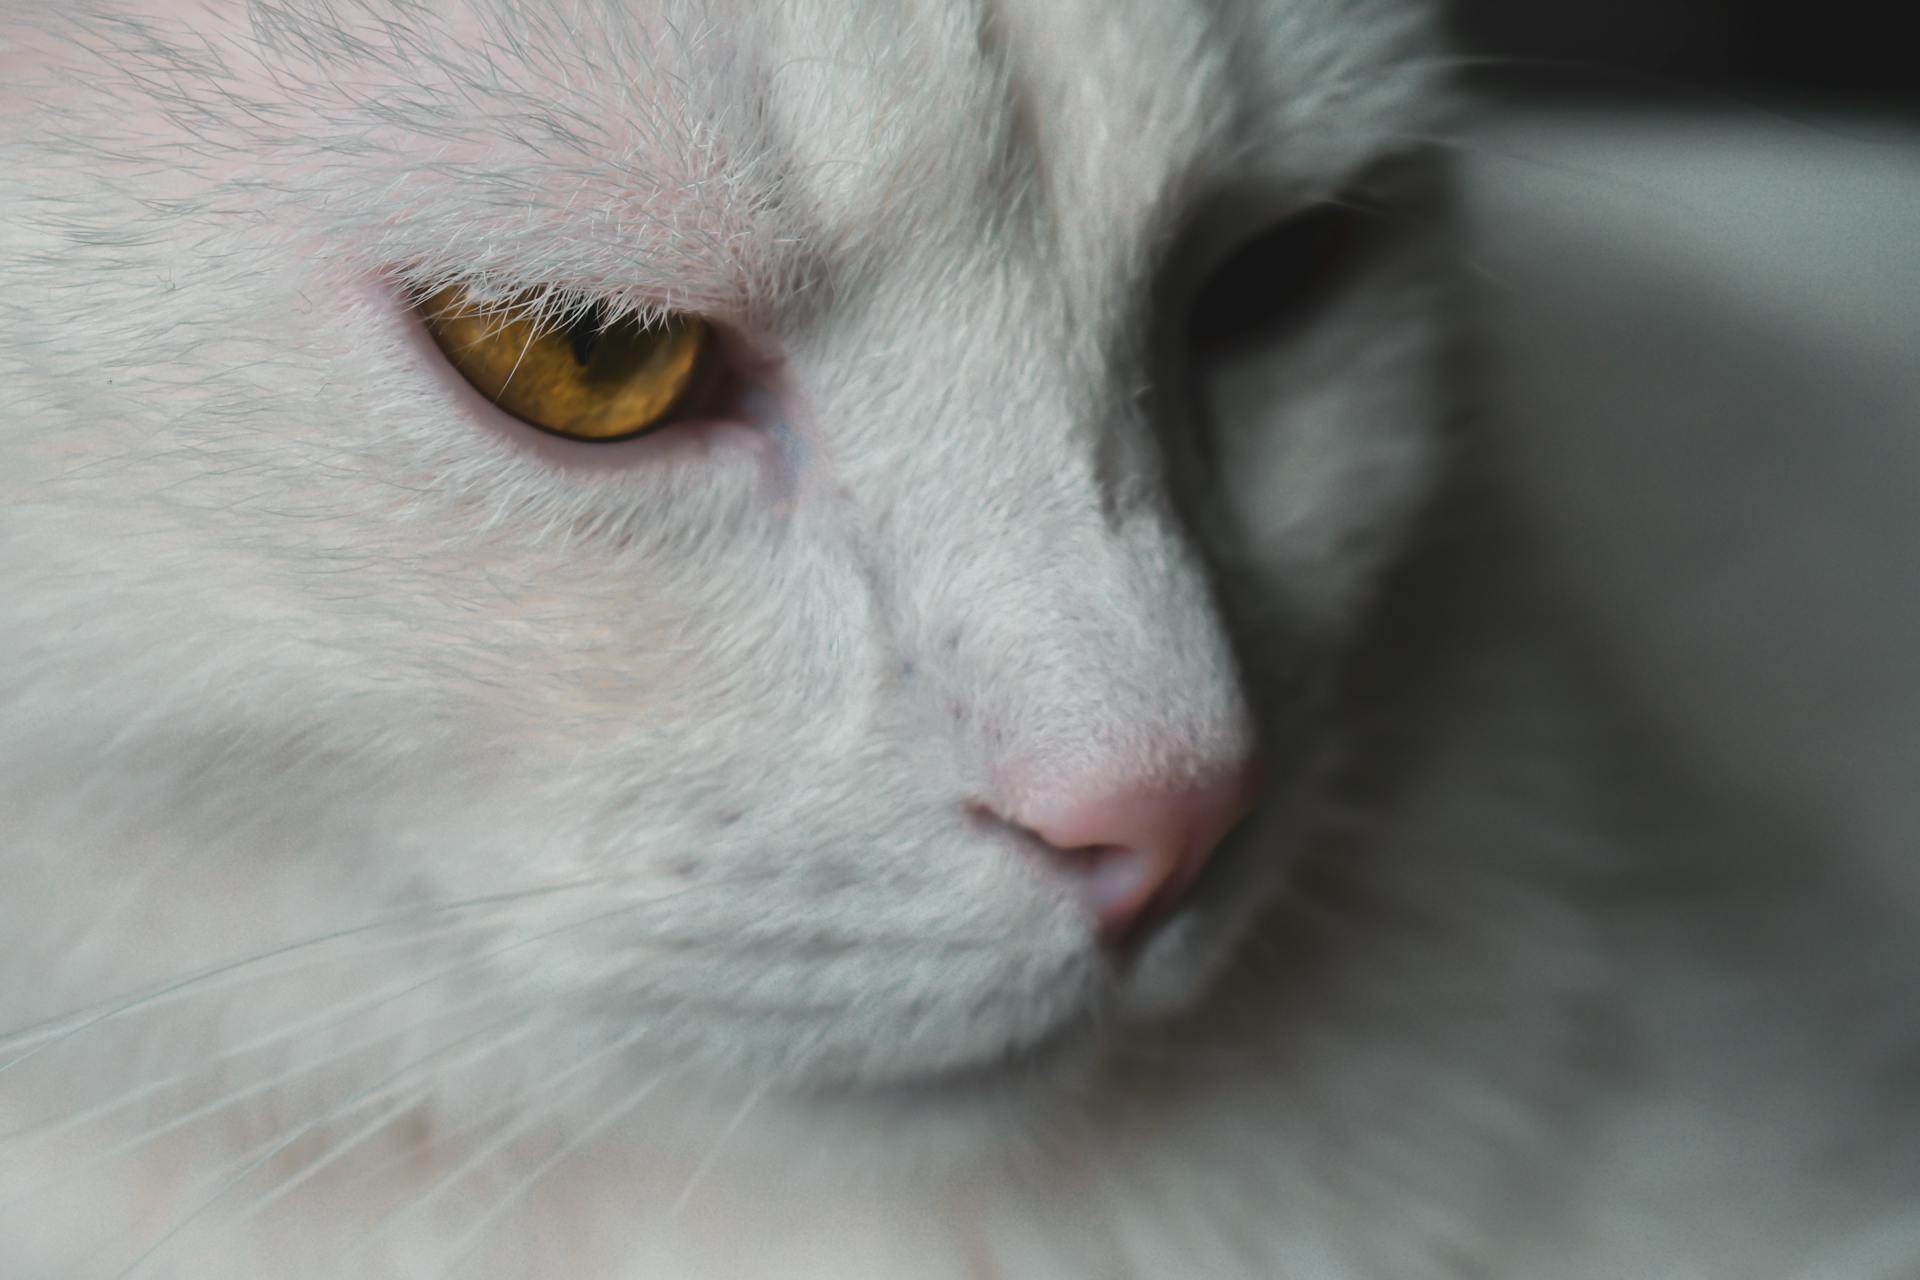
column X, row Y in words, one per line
column 712, row 1157
column 334, row 1014
column 39, row 1036
column 502, row 1141
column 486, row 1120
column 254, row 1090
column 470, row 1238
column 374, row 1092
column 334, row 1154
column 464, row 965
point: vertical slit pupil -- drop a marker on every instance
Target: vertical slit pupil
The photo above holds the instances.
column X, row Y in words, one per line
column 584, row 334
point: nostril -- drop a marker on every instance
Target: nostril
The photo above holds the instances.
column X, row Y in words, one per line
column 1134, row 849
column 1114, row 879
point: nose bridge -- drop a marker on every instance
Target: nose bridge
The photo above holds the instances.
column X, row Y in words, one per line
column 1097, row 655
column 1071, row 635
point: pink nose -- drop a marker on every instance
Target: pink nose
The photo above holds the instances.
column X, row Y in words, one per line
column 1136, row 849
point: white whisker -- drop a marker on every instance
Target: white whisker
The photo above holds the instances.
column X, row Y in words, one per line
column 470, row 1238
column 381, row 1089
column 712, row 1157
column 333, row 1015
column 333, row 1155
column 226, row 1101
column 39, row 1036
column 501, row 1142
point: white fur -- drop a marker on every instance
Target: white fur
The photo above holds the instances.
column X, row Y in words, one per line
column 589, row 831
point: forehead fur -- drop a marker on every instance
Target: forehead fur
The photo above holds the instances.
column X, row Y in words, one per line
column 713, row 155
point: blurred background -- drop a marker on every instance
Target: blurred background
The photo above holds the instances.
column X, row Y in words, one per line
column 1851, row 54
column 1696, row 224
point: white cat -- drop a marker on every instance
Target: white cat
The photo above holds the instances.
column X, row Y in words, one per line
column 792, row 841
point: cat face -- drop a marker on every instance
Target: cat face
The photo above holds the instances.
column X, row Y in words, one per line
column 304, row 633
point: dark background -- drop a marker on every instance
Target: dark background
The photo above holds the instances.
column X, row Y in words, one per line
column 1848, row 54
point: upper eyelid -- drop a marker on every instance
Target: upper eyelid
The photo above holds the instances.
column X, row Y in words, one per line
column 567, row 302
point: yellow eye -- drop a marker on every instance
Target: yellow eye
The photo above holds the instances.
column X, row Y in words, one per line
column 592, row 377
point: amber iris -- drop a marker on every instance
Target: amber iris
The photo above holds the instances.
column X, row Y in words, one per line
column 593, row 375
